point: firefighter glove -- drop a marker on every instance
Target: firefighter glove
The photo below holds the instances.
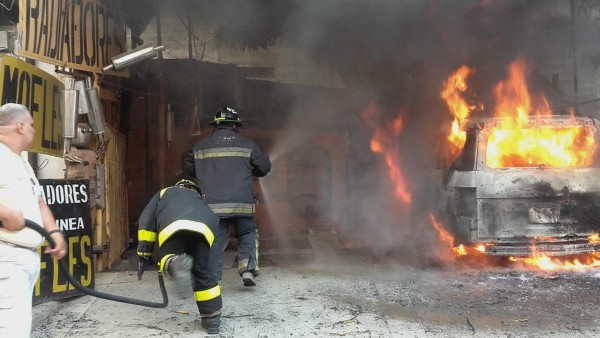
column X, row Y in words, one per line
column 145, row 250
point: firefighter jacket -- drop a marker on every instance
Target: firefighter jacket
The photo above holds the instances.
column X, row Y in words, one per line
column 171, row 210
column 223, row 164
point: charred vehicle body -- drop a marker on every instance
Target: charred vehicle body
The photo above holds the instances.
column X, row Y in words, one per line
column 525, row 200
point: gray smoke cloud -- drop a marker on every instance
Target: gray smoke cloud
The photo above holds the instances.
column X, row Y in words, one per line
column 398, row 54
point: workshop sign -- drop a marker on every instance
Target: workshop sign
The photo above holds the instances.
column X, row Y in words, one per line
column 42, row 93
column 79, row 34
column 69, row 201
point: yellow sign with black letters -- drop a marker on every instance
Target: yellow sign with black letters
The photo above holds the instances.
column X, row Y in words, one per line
column 80, row 34
column 42, row 93
column 69, row 201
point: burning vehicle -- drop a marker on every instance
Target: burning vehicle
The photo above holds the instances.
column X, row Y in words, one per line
column 519, row 188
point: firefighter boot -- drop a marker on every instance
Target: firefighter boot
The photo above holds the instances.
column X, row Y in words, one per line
column 211, row 324
column 248, row 278
column 179, row 270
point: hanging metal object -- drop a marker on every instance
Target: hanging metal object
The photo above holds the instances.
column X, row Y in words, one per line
column 122, row 61
column 84, row 105
column 71, row 97
column 96, row 112
column 84, row 136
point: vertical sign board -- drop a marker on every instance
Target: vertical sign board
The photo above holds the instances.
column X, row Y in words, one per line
column 69, row 201
column 80, row 34
column 42, row 93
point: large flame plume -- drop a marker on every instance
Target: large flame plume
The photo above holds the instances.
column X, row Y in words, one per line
column 385, row 141
column 454, row 87
column 514, row 144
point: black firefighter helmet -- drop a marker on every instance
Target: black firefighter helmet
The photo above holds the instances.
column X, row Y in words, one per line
column 226, row 114
column 188, row 185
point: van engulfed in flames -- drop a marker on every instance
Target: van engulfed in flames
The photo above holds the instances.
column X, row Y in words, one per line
column 522, row 182
column 511, row 200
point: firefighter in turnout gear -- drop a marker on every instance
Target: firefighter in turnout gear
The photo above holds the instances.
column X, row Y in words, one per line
column 178, row 219
column 223, row 164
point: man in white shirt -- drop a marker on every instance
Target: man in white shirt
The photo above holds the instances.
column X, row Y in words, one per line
column 20, row 199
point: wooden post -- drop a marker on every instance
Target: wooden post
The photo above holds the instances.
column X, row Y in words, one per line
column 162, row 130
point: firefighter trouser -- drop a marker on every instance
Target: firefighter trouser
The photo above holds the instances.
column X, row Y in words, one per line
column 244, row 230
column 207, row 291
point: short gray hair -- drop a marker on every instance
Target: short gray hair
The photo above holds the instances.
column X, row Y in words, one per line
column 12, row 112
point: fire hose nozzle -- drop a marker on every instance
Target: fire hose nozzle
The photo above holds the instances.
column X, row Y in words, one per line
column 142, row 263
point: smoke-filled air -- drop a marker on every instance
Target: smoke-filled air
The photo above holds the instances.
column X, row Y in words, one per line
column 393, row 60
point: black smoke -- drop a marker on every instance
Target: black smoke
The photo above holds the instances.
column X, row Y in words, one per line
column 398, row 54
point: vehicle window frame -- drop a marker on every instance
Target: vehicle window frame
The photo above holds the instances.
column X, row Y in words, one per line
column 467, row 157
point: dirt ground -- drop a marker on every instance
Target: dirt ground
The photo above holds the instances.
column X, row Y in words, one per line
column 345, row 294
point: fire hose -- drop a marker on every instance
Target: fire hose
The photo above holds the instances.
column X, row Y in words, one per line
column 34, row 226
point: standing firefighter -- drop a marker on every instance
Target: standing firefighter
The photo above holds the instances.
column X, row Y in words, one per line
column 182, row 224
column 224, row 164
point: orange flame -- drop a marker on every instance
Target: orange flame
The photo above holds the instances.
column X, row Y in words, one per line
column 446, row 238
column 512, row 96
column 384, row 141
column 444, row 235
column 460, row 109
column 543, row 262
column 533, row 147
column 513, row 144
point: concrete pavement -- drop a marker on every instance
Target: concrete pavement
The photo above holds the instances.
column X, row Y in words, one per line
column 286, row 302
column 335, row 293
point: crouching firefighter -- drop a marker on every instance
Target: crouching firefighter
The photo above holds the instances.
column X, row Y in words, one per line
column 178, row 219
